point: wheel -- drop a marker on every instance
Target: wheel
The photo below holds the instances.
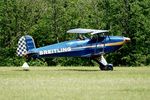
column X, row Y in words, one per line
column 106, row 68
column 109, row 67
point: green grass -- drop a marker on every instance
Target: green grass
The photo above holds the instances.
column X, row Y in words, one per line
column 74, row 83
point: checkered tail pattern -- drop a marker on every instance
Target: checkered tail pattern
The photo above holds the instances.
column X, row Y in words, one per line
column 22, row 47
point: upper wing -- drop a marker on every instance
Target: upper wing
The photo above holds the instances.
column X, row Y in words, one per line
column 81, row 30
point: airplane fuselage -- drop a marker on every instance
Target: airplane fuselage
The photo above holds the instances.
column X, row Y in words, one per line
column 81, row 48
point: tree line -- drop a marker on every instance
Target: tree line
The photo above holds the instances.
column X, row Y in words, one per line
column 48, row 20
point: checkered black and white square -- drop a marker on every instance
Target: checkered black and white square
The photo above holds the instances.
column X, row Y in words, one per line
column 22, row 49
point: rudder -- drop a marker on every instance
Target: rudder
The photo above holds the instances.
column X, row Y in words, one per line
column 25, row 44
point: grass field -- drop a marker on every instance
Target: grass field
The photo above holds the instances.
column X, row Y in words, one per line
column 74, row 83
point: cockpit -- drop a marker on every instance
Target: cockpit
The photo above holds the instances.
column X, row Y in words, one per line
column 93, row 38
column 92, row 34
column 97, row 38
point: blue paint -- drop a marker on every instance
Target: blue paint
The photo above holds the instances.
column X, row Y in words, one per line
column 78, row 48
column 29, row 42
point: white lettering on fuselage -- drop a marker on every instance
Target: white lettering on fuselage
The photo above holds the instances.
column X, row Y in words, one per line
column 60, row 50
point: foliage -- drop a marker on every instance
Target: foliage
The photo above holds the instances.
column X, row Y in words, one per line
column 48, row 20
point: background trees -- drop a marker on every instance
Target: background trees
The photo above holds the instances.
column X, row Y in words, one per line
column 48, row 20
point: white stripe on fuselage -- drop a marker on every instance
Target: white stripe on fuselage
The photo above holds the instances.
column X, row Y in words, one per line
column 92, row 46
column 100, row 45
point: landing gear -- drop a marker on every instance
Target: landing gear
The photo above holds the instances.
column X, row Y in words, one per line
column 103, row 65
column 106, row 67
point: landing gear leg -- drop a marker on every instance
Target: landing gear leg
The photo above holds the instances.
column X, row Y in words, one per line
column 103, row 65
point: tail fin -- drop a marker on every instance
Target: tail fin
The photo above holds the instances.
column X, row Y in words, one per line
column 25, row 44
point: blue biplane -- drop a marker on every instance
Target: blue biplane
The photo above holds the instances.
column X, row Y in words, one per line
column 94, row 47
